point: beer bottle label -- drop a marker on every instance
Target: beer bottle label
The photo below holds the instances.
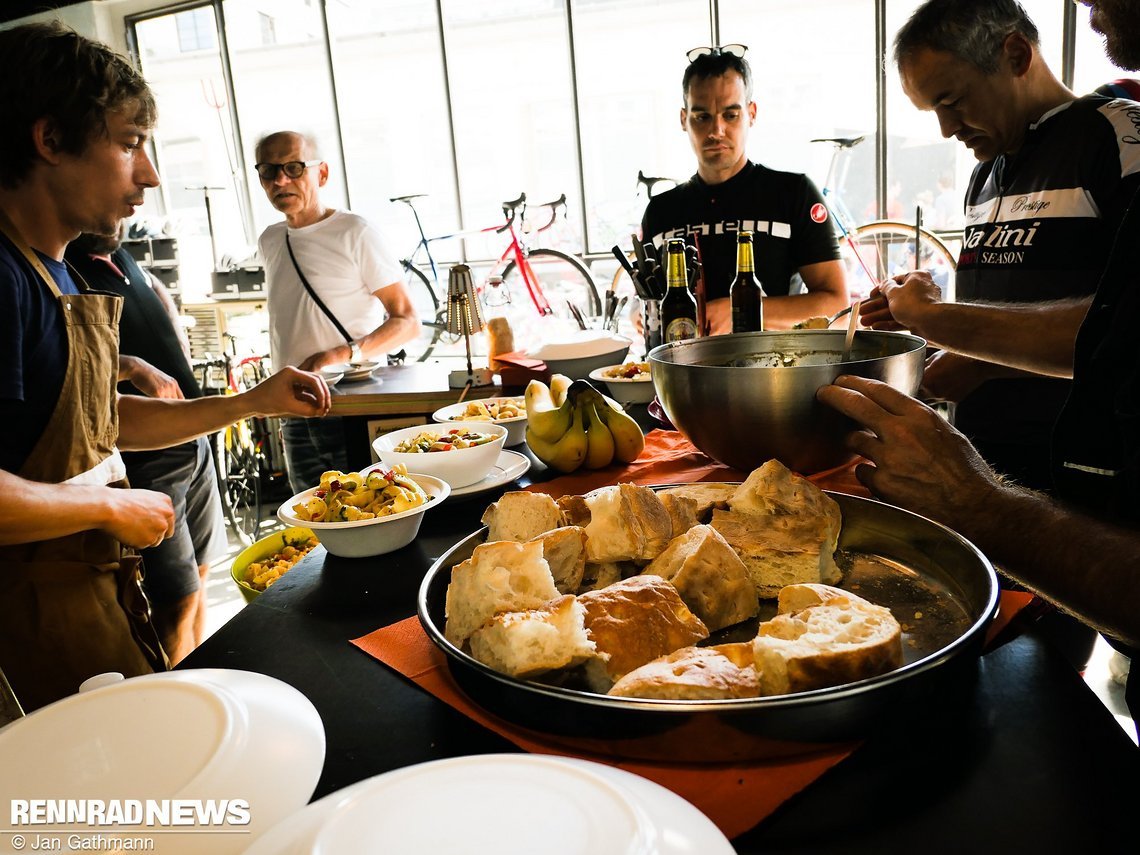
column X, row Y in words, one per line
column 681, row 328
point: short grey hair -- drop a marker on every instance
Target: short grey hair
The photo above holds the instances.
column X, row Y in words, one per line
column 971, row 30
column 312, row 147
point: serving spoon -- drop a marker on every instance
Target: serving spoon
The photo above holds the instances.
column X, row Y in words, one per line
column 852, row 322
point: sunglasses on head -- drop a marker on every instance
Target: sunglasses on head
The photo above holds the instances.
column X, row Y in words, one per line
column 292, row 169
column 732, row 50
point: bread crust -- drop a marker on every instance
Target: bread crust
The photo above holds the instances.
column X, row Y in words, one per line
column 532, row 642
column 634, row 621
column 521, row 515
column 709, row 576
column 627, row 523
column 565, row 552
column 694, row 674
column 708, row 495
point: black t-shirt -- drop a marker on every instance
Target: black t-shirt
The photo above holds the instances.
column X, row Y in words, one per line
column 784, row 211
column 1039, row 226
column 145, row 328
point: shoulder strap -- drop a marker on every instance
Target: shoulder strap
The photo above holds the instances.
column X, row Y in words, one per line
column 12, row 233
column 313, row 294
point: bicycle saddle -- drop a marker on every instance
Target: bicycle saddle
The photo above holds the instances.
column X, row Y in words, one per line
column 842, row 142
column 406, row 198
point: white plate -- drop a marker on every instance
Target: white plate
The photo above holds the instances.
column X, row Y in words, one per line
column 211, row 734
column 549, row 804
column 351, row 371
column 507, row 468
column 332, row 379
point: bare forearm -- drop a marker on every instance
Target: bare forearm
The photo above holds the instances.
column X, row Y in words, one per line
column 389, row 336
column 150, row 423
column 1032, row 337
column 780, row 313
column 1088, row 568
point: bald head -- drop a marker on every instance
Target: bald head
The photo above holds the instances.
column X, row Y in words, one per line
column 307, row 144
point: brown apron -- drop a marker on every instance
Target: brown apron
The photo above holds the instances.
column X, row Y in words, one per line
column 73, row 607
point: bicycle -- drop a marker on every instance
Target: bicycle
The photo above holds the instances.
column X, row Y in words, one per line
column 552, row 278
column 247, row 454
column 879, row 249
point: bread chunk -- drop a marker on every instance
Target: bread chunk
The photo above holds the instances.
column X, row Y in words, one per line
column 708, row 496
column 709, row 576
column 633, row 622
column 824, row 637
column 682, row 512
column 565, row 552
column 498, row 577
column 694, row 674
column 780, row 549
column 774, row 489
column 627, row 523
column 528, row 643
column 574, row 510
column 600, row 574
column 520, row 516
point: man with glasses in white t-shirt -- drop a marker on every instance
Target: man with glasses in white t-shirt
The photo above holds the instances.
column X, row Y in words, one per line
column 336, row 293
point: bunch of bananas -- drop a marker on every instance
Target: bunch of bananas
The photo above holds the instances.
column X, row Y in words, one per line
column 571, row 424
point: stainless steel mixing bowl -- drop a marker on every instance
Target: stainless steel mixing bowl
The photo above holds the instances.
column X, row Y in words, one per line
column 746, row 398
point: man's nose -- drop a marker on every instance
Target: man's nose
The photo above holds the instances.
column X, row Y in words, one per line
column 717, row 127
column 147, row 174
column 281, row 179
column 948, row 122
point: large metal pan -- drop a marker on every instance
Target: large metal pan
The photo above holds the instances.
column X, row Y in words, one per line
column 939, row 586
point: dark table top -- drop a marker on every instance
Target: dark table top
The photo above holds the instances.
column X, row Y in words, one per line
column 1030, row 760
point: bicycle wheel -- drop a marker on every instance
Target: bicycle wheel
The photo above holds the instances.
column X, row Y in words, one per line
column 239, row 479
column 886, row 248
column 563, row 279
column 427, row 309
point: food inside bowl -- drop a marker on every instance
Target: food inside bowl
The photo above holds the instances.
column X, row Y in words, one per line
column 260, row 575
column 636, row 593
column 628, row 371
column 347, row 497
column 452, row 440
column 491, row 410
column 785, row 359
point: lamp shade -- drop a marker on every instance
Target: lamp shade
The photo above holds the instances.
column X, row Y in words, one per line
column 464, row 314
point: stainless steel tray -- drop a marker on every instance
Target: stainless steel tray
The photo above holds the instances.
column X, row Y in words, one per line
column 938, row 585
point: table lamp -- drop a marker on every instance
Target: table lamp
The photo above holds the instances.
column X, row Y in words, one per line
column 465, row 318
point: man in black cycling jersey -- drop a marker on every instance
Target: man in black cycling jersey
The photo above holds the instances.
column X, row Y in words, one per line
column 792, row 229
column 1056, row 173
column 1082, row 553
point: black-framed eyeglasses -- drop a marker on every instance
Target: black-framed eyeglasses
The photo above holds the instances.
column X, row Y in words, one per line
column 292, row 169
column 732, row 50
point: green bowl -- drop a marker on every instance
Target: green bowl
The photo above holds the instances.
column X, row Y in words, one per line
column 259, row 551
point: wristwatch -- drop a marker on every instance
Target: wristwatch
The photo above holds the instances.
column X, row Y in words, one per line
column 357, row 353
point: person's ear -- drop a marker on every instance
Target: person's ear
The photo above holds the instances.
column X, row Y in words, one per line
column 45, row 139
column 322, row 174
column 751, row 113
column 1017, row 52
column 684, row 119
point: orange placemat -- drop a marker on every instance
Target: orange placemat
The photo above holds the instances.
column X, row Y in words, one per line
column 669, row 458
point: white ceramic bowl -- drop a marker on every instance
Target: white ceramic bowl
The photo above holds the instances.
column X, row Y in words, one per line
column 516, row 427
column 363, row 538
column 350, row 371
column 582, row 352
column 458, row 467
column 626, row 390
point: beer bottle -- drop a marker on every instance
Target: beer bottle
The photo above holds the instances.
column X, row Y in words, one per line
column 678, row 308
column 746, row 295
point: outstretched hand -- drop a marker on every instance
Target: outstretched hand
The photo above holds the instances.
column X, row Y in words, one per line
column 291, row 392
column 918, row 460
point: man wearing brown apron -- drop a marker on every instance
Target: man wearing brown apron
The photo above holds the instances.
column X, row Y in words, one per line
column 73, row 159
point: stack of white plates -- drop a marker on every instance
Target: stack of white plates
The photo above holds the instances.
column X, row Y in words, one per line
column 505, row 804
column 210, row 735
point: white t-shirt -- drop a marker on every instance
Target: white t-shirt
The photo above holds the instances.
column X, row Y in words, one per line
column 346, row 261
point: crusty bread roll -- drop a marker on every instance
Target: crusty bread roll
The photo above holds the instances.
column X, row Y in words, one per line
column 709, row 576
column 780, row 549
column 498, row 577
column 528, row 643
column 627, row 523
column 520, row 516
column 823, row 637
column 708, row 496
column 694, row 674
column 565, row 552
column 682, row 512
column 633, row 622
column 574, row 510
column 774, row 489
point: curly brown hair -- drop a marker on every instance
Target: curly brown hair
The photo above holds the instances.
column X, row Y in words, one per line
column 48, row 71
